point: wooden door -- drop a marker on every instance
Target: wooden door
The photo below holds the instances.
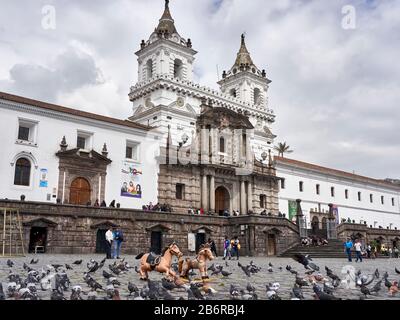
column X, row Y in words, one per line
column 271, row 245
column 79, row 192
column 221, row 200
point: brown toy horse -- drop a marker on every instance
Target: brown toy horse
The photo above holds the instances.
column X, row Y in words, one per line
column 203, row 255
column 162, row 264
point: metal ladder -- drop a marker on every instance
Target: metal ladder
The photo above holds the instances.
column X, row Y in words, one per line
column 12, row 241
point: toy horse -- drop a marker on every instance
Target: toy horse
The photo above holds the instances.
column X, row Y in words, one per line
column 162, row 263
column 203, row 255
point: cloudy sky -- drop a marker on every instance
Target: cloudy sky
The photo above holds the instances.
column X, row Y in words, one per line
column 335, row 90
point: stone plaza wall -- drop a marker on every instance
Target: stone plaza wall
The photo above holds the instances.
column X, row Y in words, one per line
column 73, row 229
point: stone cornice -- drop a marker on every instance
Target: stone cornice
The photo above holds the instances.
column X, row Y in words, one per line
column 195, row 90
column 68, row 117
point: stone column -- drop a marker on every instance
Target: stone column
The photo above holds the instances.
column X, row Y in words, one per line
column 249, row 196
column 204, row 193
column 242, row 198
column 212, row 194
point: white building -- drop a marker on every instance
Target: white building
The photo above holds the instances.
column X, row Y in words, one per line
column 358, row 198
column 86, row 166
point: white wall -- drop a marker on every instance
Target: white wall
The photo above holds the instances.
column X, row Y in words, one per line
column 49, row 135
column 347, row 208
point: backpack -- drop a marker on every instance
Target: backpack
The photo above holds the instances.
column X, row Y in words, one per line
column 119, row 236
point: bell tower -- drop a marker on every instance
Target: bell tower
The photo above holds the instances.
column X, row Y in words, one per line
column 245, row 81
column 166, row 52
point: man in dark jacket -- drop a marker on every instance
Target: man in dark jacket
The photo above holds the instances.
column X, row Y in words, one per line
column 213, row 247
column 118, row 239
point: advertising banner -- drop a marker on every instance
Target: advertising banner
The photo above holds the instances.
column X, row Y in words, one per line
column 292, row 210
column 131, row 185
column 43, row 178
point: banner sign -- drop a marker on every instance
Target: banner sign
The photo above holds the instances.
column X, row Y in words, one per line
column 43, row 178
column 335, row 210
column 292, row 210
column 131, row 186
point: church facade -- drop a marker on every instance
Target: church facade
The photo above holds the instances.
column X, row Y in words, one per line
column 185, row 145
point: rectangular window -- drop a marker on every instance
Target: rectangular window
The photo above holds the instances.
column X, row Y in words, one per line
column 27, row 130
column 132, row 151
column 393, row 202
column 81, row 142
column 23, row 133
column 346, row 194
column 301, row 186
column 332, row 191
column 283, row 184
column 244, row 146
column 263, row 201
column 317, row 189
column 359, row 196
column 382, row 199
column 180, row 191
column 371, row 198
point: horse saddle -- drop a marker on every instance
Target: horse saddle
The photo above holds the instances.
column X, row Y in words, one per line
column 153, row 260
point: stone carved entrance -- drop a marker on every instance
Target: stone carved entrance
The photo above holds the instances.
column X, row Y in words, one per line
column 271, row 244
column 222, row 200
column 80, row 192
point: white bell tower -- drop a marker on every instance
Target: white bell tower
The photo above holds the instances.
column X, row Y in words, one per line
column 245, row 81
column 166, row 52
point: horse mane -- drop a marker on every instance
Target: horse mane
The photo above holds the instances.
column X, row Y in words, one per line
column 164, row 250
column 180, row 265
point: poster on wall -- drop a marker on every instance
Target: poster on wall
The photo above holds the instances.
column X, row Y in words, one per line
column 43, row 178
column 335, row 210
column 131, row 185
column 292, row 210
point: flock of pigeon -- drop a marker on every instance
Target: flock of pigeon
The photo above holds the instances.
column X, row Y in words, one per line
column 104, row 283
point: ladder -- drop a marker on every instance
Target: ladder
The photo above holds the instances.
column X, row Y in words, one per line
column 11, row 238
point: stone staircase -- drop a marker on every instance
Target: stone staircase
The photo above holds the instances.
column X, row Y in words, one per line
column 334, row 249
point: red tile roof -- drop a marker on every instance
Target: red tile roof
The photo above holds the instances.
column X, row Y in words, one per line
column 75, row 112
column 334, row 172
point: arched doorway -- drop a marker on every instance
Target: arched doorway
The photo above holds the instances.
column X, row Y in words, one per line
column 324, row 224
column 79, row 192
column 156, row 242
column 101, row 246
column 37, row 237
column 222, row 200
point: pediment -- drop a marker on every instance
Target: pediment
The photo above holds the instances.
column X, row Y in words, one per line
column 202, row 228
column 219, row 117
column 40, row 222
column 82, row 155
column 158, row 227
column 104, row 225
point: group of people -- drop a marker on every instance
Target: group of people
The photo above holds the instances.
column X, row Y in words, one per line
column 103, row 204
column 314, row 241
column 114, row 239
column 158, row 207
column 368, row 251
column 231, row 248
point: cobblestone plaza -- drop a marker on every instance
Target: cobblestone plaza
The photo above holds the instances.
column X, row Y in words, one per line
column 220, row 283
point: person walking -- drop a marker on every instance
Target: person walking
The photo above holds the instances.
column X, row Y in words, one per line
column 109, row 241
column 213, row 247
column 235, row 245
column 348, row 245
column 358, row 246
column 227, row 248
column 118, row 239
column 369, row 251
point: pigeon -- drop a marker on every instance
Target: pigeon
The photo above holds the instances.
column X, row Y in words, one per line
column 132, row 288
column 225, row 273
column 270, row 269
column 211, row 268
column 169, row 285
column 10, row 263
column 301, row 282
column 68, row 267
column 55, row 295
column 297, row 292
column 364, row 290
column 328, row 288
column 270, row 265
column 396, row 270
column 106, row 274
column 247, row 296
column 234, row 292
column 245, row 269
column 376, row 273
column 114, row 282
column 320, row 295
column 93, row 268
column 271, row 293
column 76, row 293
column 305, row 261
column 77, row 262
column 250, row 288
column 376, row 287
column 33, row 261
column 388, row 284
column 196, row 292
